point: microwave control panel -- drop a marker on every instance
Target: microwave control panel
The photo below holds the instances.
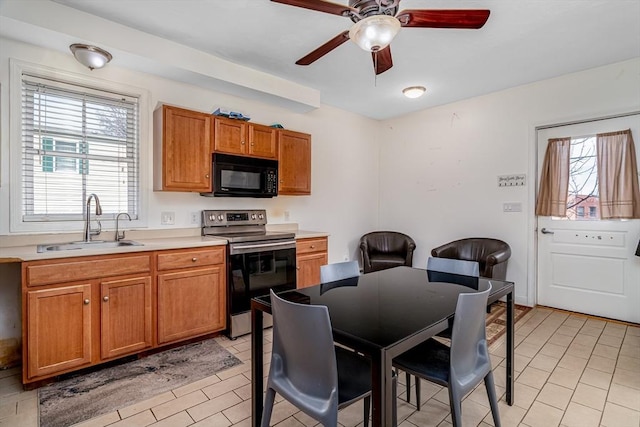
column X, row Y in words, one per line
column 272, row 182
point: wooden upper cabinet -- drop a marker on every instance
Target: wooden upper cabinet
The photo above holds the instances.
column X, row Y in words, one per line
column 238, row 137
column 294, row 163
column 229, row 136
column 182, row 150
column 263, row 141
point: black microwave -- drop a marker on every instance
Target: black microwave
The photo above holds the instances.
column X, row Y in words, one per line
column 240, row 176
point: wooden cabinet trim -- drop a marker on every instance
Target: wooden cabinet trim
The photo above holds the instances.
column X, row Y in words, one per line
column 304, row 246
column 190, row 258
column 50, row 272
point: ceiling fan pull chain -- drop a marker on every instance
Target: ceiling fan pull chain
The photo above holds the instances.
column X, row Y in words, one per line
column 375, row 67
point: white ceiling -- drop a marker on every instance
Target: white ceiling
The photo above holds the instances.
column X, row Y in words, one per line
column 523, row 41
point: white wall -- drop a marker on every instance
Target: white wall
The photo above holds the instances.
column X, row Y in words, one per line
column 344, row 199
column 439, row 167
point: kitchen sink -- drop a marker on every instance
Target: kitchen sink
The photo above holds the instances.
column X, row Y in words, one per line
column 95, row 244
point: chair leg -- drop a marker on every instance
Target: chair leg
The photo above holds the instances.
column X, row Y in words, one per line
column 268, row 407
column 408, row 381
column 493, row 401
column 367, row 410
column 455, row 401
column 417, row 393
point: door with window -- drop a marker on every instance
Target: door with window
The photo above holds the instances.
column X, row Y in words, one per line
column 584, row 263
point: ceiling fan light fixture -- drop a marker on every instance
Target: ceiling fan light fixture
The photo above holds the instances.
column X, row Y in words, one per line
column 374, row 33
column 91, row 57
column 414, row 91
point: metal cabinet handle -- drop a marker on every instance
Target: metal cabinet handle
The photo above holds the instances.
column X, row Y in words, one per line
column 298, row 268
column 86, row 302
column 105, row 298
column 545, row 231
column 206, row 176
column 313, row 247
column 242, row 142
column 194, row 259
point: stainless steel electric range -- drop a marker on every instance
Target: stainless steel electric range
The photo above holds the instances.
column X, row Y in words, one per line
column 257, row 260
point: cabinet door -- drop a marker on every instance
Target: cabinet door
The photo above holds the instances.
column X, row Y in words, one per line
column 229, row 136
column 186, row 150
column 263, row 141
column 191, row 302
column 126, row 316
column 58, row 329
column 294, row 166
column 308, row 268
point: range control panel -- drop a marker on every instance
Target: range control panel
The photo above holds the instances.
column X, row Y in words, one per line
column 221, row 218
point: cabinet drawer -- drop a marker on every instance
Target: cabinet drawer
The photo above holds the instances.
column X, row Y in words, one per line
column 194, row 258
column 304, row 246
column 52, row 271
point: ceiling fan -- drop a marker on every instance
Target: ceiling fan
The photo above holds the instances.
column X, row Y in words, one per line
column 376, row 22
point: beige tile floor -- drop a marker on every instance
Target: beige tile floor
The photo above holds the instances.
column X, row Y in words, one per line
column 571, row 370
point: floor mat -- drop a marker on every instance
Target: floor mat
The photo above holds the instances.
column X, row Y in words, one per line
column 82, row 397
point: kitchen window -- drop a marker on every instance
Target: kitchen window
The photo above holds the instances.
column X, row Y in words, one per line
column 77, row 140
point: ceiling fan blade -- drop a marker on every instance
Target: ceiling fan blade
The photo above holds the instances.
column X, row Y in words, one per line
column 453, row 18
column 324, row 49
column 382, row 60
column 320, row 6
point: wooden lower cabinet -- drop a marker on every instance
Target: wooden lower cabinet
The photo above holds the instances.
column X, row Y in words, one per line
column 311, row 254
column 82, row 311
column 191, row 303
column 59, row 331
column 126, row 317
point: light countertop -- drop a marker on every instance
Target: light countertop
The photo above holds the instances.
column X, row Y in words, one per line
column 29, row 252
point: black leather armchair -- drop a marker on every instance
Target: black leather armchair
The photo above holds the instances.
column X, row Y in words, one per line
column 491, row 254
column 386, row 249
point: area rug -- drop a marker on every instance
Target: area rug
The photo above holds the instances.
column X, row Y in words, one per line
column 86, row 396
column 497, row 319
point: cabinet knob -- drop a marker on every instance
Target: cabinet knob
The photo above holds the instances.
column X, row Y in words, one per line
column 105, row 298
column 207, row 176
column 242, row 142
column 194, row 259
column 298, row 268
column 86, row 302
column 313, row 247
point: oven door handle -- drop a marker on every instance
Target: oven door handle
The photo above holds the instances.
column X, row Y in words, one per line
column 239, row 248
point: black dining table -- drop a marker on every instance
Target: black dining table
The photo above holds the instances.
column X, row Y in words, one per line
column 381, row 315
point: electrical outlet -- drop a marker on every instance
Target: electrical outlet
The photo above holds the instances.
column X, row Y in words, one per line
column 168, row 218
column 195, row 218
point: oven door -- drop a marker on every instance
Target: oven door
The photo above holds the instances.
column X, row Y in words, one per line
column 256, row 267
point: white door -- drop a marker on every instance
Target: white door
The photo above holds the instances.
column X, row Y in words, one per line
column 585, row 264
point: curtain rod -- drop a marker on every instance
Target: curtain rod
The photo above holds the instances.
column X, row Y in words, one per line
column 577, row 122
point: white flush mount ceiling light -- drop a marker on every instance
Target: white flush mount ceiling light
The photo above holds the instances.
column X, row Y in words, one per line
column 90, row 56
column 414, row 91
column 374, row 33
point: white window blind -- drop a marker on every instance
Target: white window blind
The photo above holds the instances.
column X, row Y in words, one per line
column 77, row 141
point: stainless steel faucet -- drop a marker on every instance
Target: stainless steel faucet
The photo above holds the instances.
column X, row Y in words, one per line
column 120, row 236
column 87, row 222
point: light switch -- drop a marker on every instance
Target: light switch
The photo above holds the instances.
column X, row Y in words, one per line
column 168, row 218
column 512, row 207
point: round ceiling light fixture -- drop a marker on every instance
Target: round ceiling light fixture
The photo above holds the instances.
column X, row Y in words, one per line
column 374, row 33
column 91, row 57
column 414, row 91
